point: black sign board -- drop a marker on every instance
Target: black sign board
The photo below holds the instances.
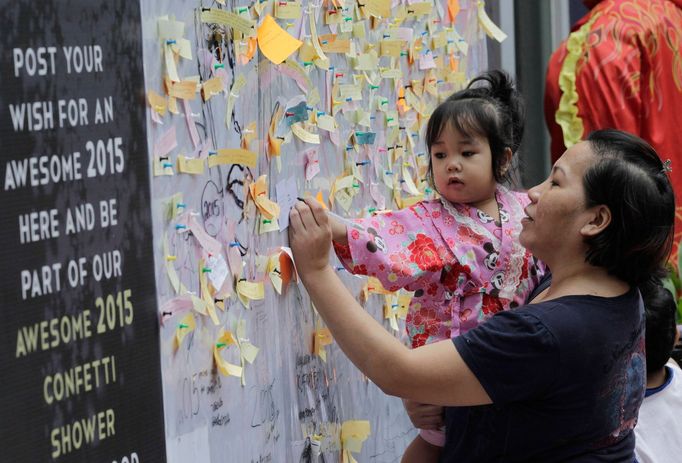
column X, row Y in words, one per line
column 80, row 375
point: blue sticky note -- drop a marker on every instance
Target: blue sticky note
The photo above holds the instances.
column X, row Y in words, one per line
column 365, row 138
column 296, row 113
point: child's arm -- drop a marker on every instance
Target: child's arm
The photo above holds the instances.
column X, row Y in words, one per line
column 339, row 230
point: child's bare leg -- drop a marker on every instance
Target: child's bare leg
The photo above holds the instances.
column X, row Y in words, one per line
column 420, row 451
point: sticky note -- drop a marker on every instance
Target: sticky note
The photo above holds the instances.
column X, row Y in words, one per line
column 365, row 138
column 227, row 18
column 296, row 113
column 321, row 337
column 287, row 194
column 251, row 290
column 287, row 9
column 187, row 325
column 488, row 25
column 170, row 29
column 312, row 164
column 190, row 165
column 331, row 44
column 353, row 434
column 157, row 103
column 234, row 156
column 326, row 122
column 276, row 43
column 378, row 8
column 211, row 87
column 225, row 368
column 304, row 135
column 258, row 190
column 166, row 143
column 248, row 351
column 185, row 90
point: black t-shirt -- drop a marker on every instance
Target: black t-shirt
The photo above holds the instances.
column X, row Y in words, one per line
column 566, row 378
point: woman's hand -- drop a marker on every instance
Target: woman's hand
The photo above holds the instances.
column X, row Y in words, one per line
column 424, row 416
column 310, row 237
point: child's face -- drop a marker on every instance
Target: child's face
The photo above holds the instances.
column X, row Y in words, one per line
column 463, row 168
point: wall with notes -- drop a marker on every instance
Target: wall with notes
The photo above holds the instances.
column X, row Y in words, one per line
column 249, row 105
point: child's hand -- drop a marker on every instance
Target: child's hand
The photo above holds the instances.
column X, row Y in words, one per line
column 309, row 237
column 424, row 416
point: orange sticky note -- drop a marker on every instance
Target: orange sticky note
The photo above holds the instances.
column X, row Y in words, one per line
column 276, row 43
column 453, row 9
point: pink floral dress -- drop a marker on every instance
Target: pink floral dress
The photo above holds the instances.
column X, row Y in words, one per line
column 462, row 266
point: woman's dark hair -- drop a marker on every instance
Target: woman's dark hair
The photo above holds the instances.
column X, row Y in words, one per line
column 660, row 309
column 629, row 178
column 490, row 107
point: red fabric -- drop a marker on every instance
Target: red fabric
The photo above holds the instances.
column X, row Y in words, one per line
column 629, row 78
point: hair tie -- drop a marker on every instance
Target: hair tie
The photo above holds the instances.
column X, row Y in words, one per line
column 667, row 166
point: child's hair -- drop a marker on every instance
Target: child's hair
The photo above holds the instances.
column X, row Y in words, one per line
column 660, row 308
column 490, row 107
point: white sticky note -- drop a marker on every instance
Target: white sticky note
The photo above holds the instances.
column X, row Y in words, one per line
column 287, row 193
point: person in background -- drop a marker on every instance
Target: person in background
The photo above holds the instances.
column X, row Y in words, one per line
column 659, row 428
column 621, row 67
column 460, row 254
column 562, row 378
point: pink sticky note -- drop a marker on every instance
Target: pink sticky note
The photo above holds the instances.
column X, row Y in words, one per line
column 312, row 164
column 190, row 123
column 426, row 62
column 166, row 143
column 377, row 196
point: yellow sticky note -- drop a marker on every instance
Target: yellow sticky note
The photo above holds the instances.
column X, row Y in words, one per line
column 186, row 326
column 251, row 290
column 379, row 8
column 353, row 434
column 233, row 156
column 190, row 165
column 404, row 300
column 488, row 25
column 227, row 18
column 198, row 305
column 367, row 61
column 259, row 189
column 304, row 135
column 321, row 337
column 248, row 351
column 171, row 69
column 326, row 122
column 276, row 43
column 268, row 226
column 157, row 102
column 225, row 368
column 211, row 87
column 420, row 9
column 391, row 48
column 287, row 10
column 331, row 44
column 350, row 91
column 185, row 90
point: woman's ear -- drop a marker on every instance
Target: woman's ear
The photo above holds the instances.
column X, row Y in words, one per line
column 599, row 219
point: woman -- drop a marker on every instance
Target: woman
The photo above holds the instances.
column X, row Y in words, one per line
column 560, row 379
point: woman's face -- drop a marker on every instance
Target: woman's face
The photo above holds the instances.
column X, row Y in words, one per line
column 557, row 211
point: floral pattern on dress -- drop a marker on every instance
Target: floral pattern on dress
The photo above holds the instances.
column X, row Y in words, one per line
column 462, row 266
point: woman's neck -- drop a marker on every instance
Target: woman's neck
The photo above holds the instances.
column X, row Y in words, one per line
column 581, row 278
